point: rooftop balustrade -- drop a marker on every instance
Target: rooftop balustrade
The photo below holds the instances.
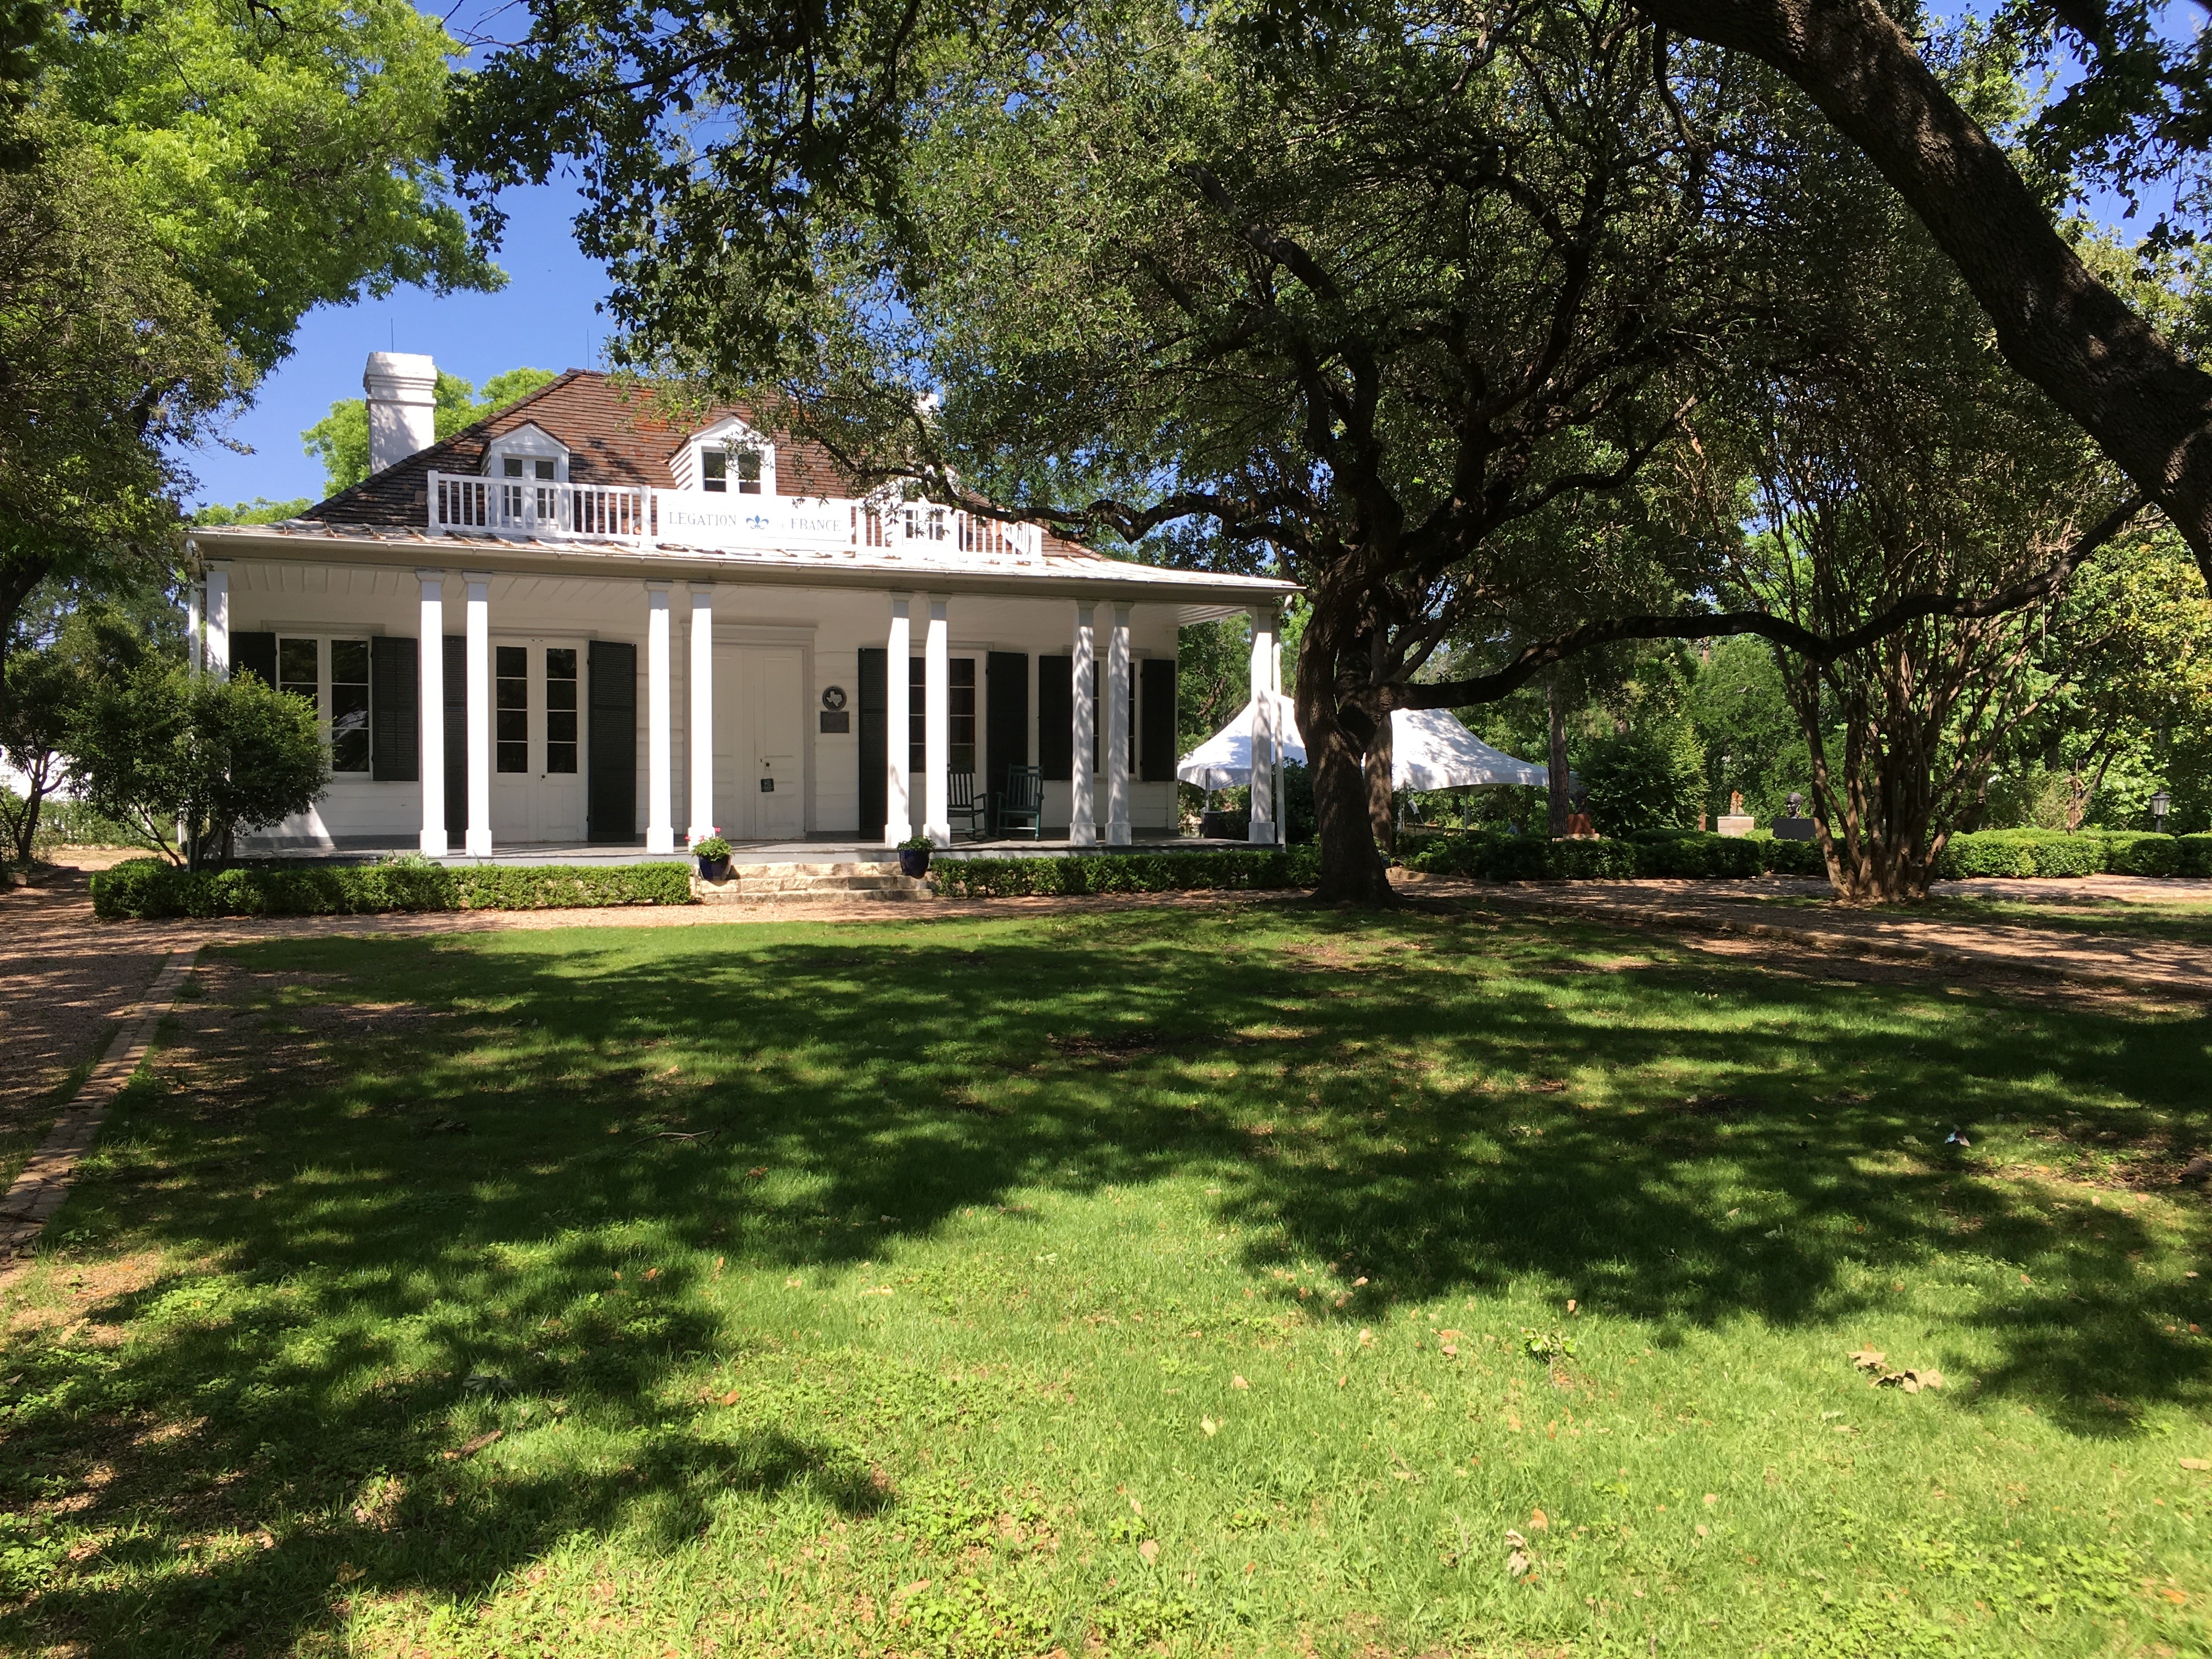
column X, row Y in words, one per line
column 468, row 505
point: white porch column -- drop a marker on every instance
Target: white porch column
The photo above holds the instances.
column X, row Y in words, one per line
column 937, row 724
column 1275, row 685
column 430, row 747
column 194, row 599
column 216, row 621
column 1081, row 830
column 477, row 842
column 659, row 770
column 1262, row 829
column 898, row 650
column 1117, row 727
column 702, row 712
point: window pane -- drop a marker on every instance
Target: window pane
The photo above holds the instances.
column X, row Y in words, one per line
column 545, row 469
column 917, row 716
column 961, row 706
column 715, row 470
column 349, row 705
column 512, row 467
column 299, row 669
column 749, row 473
column 512, row 702
column 560, row 709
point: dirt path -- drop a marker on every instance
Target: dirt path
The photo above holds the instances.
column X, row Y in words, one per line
column 2168, row 967
column 63, row 989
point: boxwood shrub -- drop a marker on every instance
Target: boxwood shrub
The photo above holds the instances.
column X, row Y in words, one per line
column 2192, row 856
column 2053, row 853
column 1676, row 853
column 151, row 888
column 1125, row 872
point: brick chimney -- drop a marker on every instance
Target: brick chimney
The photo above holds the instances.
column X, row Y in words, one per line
column 401, row 387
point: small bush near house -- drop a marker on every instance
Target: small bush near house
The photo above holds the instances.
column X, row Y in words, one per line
column 1125, row 872
column 148, row 888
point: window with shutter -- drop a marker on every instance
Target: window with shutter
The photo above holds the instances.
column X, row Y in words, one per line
column 395, row 718
column 1057, row 717
column 1156, row 746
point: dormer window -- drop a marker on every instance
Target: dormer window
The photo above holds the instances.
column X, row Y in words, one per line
column 717, row 467
column 529, row 453
column 727, row 459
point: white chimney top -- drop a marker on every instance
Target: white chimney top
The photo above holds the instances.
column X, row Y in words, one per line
column 402, row 388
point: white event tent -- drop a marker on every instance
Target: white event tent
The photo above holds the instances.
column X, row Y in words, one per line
column 1429, row 749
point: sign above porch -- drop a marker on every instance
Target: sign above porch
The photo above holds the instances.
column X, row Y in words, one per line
column 747, row 521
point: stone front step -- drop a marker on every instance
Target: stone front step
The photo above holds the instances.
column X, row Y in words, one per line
column 814, row 883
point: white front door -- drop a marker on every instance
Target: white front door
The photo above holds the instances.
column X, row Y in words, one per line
column 760, row 780
column 537, row 741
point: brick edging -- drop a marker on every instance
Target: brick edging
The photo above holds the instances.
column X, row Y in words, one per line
column 38, row 1192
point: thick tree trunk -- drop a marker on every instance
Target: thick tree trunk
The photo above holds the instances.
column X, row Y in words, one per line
column 1379, row 795
column 1351, row 870
column 2058, row 325
column 1555, row 790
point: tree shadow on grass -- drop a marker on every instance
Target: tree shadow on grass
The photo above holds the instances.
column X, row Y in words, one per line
column 1444, row 1105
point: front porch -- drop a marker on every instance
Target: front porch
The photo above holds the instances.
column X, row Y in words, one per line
column 814, row 849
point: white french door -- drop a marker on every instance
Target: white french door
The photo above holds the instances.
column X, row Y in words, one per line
column 760, row 783
column 537, row 740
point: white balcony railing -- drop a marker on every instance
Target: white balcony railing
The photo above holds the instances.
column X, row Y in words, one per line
column 466, row 505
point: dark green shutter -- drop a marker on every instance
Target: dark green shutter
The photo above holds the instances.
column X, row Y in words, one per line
column 612, row 789
column 395, row 727
column 1156, row 750
column 456, row 698
column 254, row 653
column 875, row 759
column 1005, row 715
column 1057, row 717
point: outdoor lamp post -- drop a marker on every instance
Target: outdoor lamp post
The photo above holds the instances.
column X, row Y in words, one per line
column 2160, row 805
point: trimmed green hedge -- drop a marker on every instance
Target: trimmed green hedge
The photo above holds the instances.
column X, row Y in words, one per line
column 150, row 888
column 1125, row 873
column 1680, row 854
column 2192, row 856
column 2093, row 852
column 1490, row 856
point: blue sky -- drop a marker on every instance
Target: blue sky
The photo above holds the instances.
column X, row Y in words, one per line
column 545, row 318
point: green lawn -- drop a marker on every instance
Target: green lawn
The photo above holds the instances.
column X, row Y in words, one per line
column 1220, row 1282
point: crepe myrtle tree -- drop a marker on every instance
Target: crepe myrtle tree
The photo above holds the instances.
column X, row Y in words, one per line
column 158, row 747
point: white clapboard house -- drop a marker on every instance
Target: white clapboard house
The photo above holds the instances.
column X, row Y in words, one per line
column 572, row 623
